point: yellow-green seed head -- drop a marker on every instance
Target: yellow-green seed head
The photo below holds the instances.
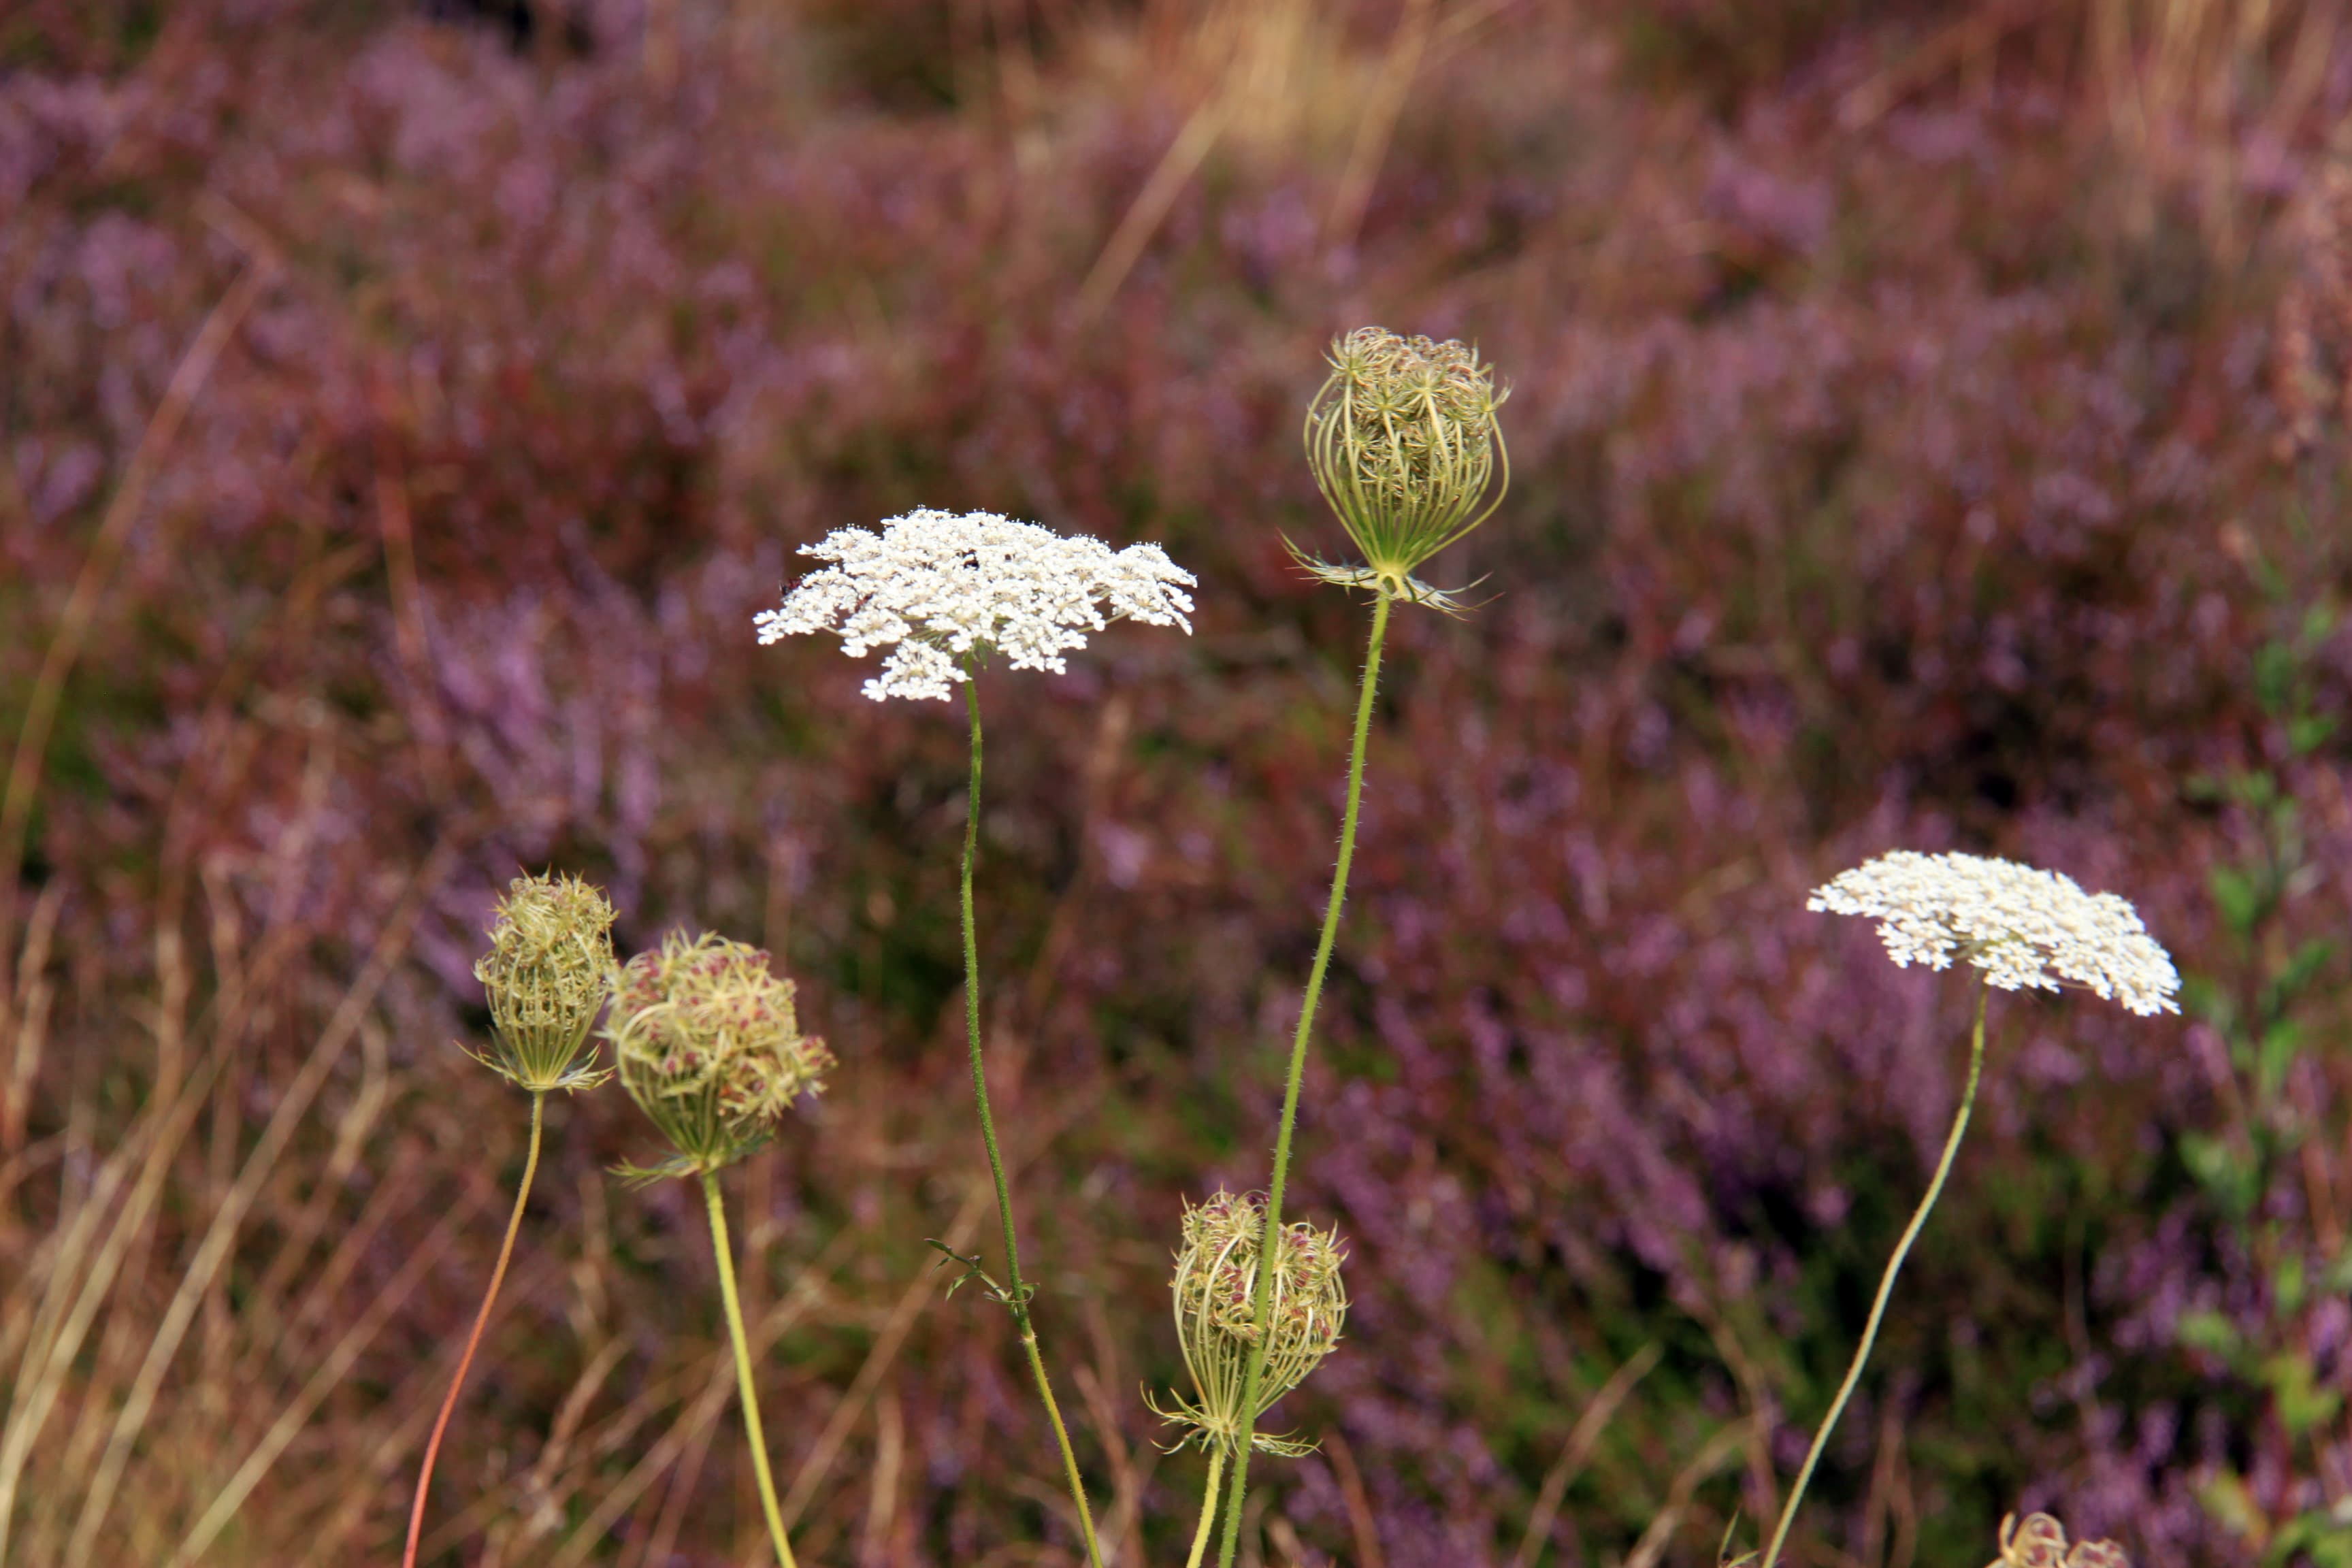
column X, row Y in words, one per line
column 2041, row 1542
column 709, row 1047
column 1215, row 1273
column 547, row 974
column 1404, row 443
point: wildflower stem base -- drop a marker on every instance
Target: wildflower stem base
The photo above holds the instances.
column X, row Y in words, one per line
column 1262, row 1293
column 473, row 1340
column 725, row 1252
column 1016, row 1295
column 1887, row 1284
column 1208, row 1504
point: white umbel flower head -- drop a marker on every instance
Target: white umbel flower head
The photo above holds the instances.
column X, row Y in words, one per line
column 2022, row 927
column 934, row 588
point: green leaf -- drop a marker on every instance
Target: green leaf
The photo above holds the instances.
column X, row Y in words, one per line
column 2289, row 1283
column 2302, row 1405
column 2226, row 1178
column 2280, row 1043
column 2274, row 668
column 2238, row 895
column 2208, row 1331
column 2300, row 970
column 2306, row 734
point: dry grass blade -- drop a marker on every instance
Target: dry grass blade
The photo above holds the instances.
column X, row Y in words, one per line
column 1719, row 1448
column 98, row 568
column 885, row 1350
column 1581, row 1444
column 221, row 1233
column 1377, row 124
column 30, row 1031
column 718, row 1385
column 323, row 1381
column 55, row 1341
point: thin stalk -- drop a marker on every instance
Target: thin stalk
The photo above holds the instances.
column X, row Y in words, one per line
column 1269, row 1243
column 1208, row 1505
column 1017, row 1297
column 751, row 1427
column 473, row 1341
column 1887, row 1285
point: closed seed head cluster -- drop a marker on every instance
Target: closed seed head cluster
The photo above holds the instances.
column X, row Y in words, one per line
column 2041, row 1542
column 547, row 973
column 1403, row 441
column 2021, row 926
column 710, row 1048
column 935, row 588
column 1215, row 1273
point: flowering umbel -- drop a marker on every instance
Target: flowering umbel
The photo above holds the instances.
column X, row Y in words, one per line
column 710, row 1048
column 936, row 588
column 2022, row 927
column 547, row 974
column 1215, row 1273
column 2041, row 1542
column 1403, row 441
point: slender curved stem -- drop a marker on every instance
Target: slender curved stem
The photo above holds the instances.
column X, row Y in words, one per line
column 1208, row 1505
column 1887, row 1285
column 1262, row 1293
column 725, row 1251
column 473, row 1341
column 1017, row 1295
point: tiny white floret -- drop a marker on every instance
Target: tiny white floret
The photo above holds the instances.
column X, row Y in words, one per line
column 934, row 587
column 2022, row 927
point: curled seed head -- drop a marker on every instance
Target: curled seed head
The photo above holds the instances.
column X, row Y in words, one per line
column 1216, row 1273
column 547, row 974
column 2041, row 1542
column 1403, row 441
column 710, row 1048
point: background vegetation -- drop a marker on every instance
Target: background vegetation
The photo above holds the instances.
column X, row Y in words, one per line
column 1928, row 431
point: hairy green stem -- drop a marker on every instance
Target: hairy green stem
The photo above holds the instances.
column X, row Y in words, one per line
column 1262, row 1291
column 1017, row 1296
column 1887, row 1285
column 1208, row 1505
column 473, row 1341
column 725, row 1251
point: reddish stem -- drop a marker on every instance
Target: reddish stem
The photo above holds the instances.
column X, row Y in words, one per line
column 473, row 1341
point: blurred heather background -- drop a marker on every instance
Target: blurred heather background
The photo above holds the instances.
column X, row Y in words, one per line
column 1928, row 427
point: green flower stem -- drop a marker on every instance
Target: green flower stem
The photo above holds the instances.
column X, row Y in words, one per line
column 725, row 1251
column 473, row 1341
column 1017, row 1295
column 1887, row 1285
column 1269, row 1245
column 1208, row 1505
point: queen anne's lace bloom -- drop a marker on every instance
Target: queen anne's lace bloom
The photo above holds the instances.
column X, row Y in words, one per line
column 2022, row 927
column 934, row 587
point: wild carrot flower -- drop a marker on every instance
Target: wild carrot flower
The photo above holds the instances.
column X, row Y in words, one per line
column 2022, row 927
column 547, row 974
column 710, row 1048
column 942, row 592
column 1216, row 1271
column 1222, row 1325
column 2041, row 1542
column 1403, row 442
column 937, row 589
